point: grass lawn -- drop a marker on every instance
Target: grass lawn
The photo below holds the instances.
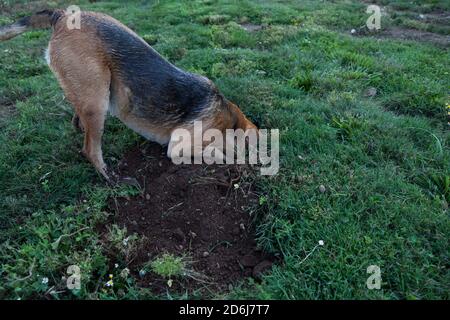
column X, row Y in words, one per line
column 364, row 146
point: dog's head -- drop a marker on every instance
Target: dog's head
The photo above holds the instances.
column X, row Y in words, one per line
column 238, row 118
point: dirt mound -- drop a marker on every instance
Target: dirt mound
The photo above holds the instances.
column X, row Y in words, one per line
column 201, row 212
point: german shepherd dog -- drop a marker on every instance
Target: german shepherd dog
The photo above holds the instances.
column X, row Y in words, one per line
column 105, row 67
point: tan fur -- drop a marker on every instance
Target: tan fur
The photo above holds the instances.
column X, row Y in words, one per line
column 11, row 31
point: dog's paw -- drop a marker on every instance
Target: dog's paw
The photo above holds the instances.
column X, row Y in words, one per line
column 111, row 177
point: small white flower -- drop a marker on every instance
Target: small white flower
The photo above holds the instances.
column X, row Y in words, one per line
column 321, row 243
column 44, row 280
column 116, row 265
column 236, row 186
column 125, row 242
column 353, row 31
column 110, row 283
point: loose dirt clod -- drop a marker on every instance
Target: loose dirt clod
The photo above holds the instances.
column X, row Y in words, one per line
column 192, row 211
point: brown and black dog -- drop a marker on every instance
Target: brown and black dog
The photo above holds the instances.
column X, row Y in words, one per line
column 105, row 67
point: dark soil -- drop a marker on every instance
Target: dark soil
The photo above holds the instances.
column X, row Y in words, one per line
column 406, row 34
column 437, row 17
column 202, row 212
column 417, row 35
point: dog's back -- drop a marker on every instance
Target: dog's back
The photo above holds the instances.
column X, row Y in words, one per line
column 159, row 91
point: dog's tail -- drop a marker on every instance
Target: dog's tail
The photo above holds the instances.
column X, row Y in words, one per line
column 40, row 20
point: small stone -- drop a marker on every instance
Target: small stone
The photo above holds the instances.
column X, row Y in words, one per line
column 205, row 254
column 147, row 197
column 178, row 234
column 242, row 227
column 322, row 188
column 353, row 31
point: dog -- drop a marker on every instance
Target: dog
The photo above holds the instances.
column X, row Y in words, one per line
column 105, row 67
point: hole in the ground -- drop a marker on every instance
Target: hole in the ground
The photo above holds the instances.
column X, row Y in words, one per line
column 199, row 212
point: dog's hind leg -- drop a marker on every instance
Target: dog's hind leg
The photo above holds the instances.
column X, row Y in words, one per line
column 92, row 117
column 76, row 123
column 88, row 89
column 77, row 59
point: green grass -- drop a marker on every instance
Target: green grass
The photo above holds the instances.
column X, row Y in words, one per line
column 384, row 160
column 168, row 266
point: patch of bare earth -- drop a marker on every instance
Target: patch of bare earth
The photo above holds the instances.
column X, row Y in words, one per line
column 7, row 110
column 441, row 18
column 437, row 17
column 405, row 34
column 416, row 35
column 203, row 212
